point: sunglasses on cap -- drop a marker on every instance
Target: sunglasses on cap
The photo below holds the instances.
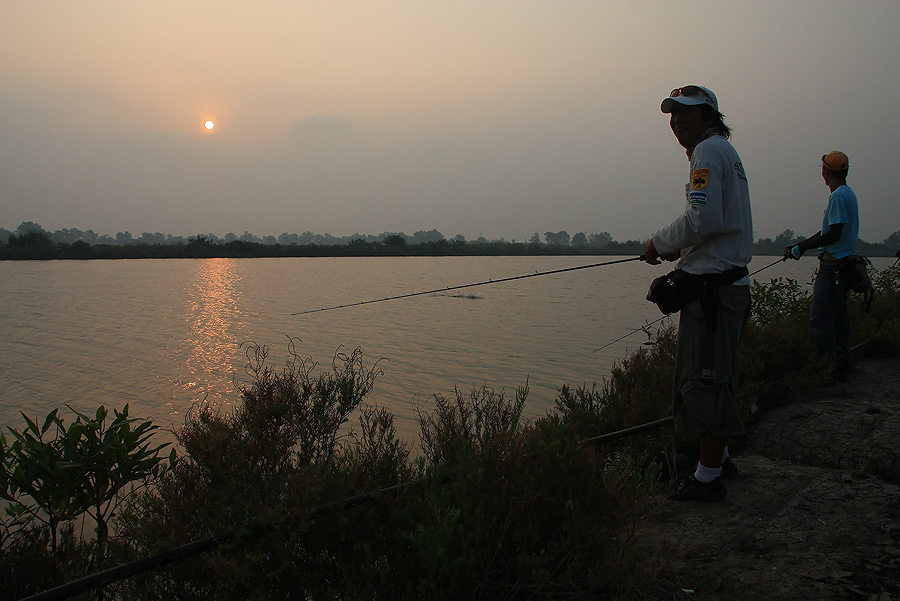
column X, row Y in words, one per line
column 689, row 91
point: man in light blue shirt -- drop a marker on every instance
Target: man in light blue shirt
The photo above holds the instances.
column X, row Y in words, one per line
column 836, row 241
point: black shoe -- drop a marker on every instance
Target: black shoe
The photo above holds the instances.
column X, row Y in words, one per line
column 694, row 490
column 729, row 470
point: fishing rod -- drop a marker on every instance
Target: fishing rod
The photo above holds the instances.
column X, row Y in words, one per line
column 509, row 279
column 249, row 531
column 775, row 262
column 645, row 326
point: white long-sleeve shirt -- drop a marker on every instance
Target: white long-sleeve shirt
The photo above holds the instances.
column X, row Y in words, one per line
column 715, row 232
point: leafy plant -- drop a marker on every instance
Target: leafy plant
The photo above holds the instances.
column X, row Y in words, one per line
column 378, row 458
column 53, row 474
column 38, row 481
column 298, row 406
column 778, row 343
column 480, row 422
column 262, row 468
column 879, row 324
column 779, row 299
column 107, row 459
column 511, row 509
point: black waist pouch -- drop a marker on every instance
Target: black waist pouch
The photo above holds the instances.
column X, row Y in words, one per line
column 675, row 290
column 855, row 271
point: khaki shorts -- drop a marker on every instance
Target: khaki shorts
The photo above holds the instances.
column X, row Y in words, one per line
column 706, row 366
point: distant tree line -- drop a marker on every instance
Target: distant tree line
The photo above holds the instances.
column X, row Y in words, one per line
column 769, row 246
column 31, row 242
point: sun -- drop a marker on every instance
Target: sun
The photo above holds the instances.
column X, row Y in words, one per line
column 209, row 125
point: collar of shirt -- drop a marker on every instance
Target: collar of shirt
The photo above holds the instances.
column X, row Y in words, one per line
column 704, row 136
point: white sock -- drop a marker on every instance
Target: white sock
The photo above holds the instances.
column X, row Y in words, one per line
column 707, row 474
column 725, row 455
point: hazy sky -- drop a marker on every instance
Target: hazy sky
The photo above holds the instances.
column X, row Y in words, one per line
column 470, row 117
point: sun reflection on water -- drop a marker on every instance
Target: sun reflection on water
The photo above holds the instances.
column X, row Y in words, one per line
column 216, row 325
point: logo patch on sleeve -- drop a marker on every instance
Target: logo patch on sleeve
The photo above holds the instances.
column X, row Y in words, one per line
column 697, row 199
column 700, row 179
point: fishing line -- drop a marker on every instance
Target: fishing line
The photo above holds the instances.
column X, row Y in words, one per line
column 509, row 279
column 643, row 328
column 640, row 329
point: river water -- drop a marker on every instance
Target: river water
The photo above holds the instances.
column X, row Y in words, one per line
column 164, row 335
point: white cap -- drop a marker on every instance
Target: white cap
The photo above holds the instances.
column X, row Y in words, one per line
column 690, row 96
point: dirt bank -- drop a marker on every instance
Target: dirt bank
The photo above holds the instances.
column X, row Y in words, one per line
column 814, row 514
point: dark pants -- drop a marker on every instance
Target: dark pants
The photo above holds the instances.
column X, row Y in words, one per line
column 706, row 365
column 829, row 318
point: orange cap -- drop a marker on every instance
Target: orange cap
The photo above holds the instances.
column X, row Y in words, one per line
column 836, row 161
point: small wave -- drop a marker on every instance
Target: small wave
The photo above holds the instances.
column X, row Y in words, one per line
column 461, row 295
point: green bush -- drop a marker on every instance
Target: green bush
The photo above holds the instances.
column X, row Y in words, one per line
column 638, row 391
column 53, row 475
column 778, row 344
column 494, row 507
column 879, row 324
column 258, row 473
column 516, row 510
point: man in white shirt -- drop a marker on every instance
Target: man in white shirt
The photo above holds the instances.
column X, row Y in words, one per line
column 712, row 240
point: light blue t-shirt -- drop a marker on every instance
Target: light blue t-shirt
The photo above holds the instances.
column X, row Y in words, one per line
column 842, row 208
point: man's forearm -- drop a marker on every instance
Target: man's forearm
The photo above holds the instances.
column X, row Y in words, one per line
column 819, row 240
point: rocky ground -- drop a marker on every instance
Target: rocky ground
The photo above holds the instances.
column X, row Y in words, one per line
column 814, row 513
